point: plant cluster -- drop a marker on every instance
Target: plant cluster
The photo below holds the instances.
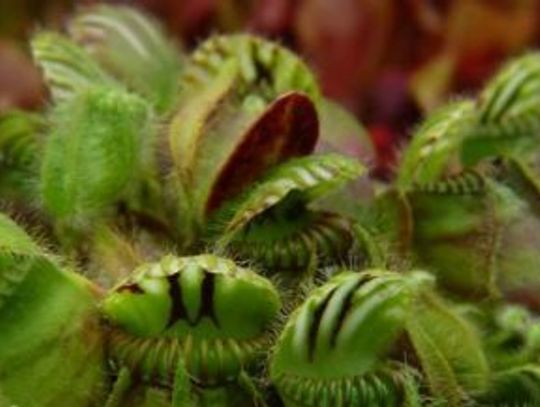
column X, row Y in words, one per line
column 185, row 246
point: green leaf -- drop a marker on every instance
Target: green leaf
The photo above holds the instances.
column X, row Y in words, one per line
column 187, row 127
column 388, row 228
column 51, row 346
column 20, row 138
column 14, row 240
column 92, row 153
column 449, row 350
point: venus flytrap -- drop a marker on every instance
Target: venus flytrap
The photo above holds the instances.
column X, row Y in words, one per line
column 273, row 220
column 464, row 207
column 504, row 121
column 91, row 165
column 200, row 316
column 322, row 359
column 344, row 345
column 288, row 128
column 461, row 213
column 236, row 82
column 236, row 120
column 154, row 166
column 246, row 106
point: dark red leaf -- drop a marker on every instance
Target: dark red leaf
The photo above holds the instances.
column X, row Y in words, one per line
column 288, row 128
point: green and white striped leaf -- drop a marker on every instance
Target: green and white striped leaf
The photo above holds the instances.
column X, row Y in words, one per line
column 266, row 68
column 311, row 177
column 334, row 347
column 508, row 121
column 514, row 92
column 435, row 146
column 133, row 47
column 67, row 68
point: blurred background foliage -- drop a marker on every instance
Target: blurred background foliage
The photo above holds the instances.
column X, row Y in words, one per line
column 387, row 61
